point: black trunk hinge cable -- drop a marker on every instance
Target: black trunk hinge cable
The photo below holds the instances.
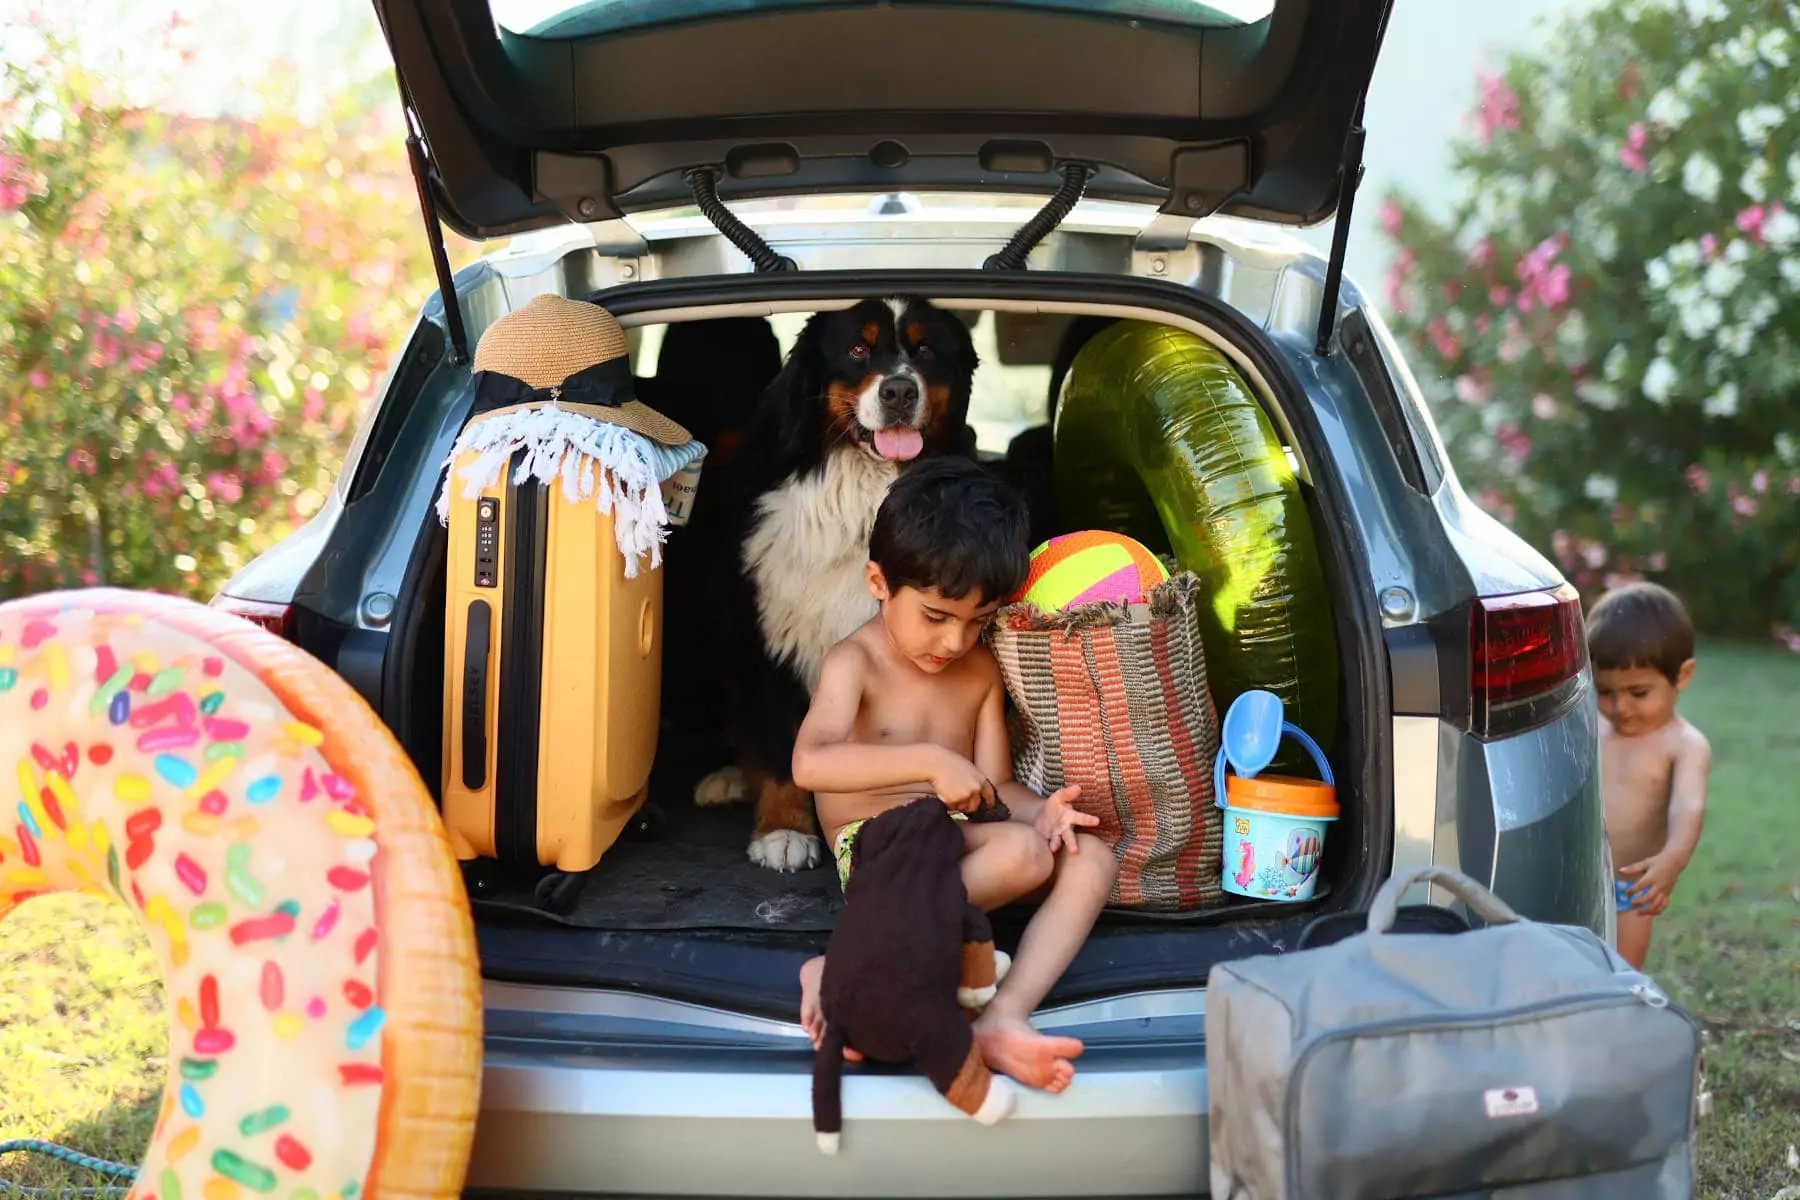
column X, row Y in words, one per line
column 1350, row 172
column 1012, row 256
column 704, row 183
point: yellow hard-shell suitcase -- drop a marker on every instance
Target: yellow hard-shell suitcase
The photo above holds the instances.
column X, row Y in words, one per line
column 553, row 673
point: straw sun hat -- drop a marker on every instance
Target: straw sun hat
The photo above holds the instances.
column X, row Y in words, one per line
column 577, row 352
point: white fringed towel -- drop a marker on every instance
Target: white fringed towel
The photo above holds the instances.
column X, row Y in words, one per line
column 621, row 471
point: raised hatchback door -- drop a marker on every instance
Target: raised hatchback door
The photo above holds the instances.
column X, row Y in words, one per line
column 536, row 111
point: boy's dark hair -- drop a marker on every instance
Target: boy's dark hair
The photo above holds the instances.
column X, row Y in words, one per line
column 1640, row 625
column 948, row 524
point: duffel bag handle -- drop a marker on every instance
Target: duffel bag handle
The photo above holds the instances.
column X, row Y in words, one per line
column 1385, row 910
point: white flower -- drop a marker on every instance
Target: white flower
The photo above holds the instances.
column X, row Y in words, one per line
column 1700, row 177
column 1572, row 336
column 1755, row 180
column 1782, row 229
column 1668, row 109
column 1686, row 294
column 1785, row 447
column 1603, row 488
column 1699, row 11
column 1617, row 359
column 1660, row 380
column 1657, row 272
column 1699, row 320
column 1605, row 242
column 1790, row 272
column 1683, row 254
column 1723, row 403
column 1689, row 78
column 1740, row 51
column 1603, row 396
column 1760, row 311
column 1755, row 123
column 1738, row 252
column 1722, row 277
column 1773, row 46
column 1543, row 182
column 1736, row 339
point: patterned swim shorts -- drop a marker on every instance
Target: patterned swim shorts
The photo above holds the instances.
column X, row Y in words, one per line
column 846, row 841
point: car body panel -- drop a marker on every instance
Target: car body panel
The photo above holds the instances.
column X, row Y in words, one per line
column 590, row 1090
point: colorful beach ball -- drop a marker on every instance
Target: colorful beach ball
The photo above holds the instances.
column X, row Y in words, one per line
column 1087, row 567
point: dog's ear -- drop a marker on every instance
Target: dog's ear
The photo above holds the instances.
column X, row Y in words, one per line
column 785, row 428
column 968, row 360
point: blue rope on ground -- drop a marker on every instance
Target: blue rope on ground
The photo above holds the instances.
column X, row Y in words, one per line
column 74, row 1158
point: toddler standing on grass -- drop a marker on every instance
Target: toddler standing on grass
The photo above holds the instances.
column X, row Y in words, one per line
column 1653, row 764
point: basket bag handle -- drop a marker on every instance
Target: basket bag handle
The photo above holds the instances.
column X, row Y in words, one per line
column 1385, row 910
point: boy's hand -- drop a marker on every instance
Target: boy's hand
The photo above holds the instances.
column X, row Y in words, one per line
column 1059, row 819
column 960, row 784
column 1654, row 883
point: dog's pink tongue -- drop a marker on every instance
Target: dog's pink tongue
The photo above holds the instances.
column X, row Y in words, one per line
column 899, row 442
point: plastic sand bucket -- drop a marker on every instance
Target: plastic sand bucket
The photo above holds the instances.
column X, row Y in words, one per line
column 1274, row 824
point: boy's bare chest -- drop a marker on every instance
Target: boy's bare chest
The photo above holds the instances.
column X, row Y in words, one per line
column 902, row 712
column 1635, row 775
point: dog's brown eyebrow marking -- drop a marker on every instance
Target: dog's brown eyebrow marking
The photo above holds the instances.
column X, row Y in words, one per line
column 915, row 333
column 871, row 333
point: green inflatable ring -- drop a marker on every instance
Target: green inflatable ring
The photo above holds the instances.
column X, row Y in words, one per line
column 1159, row 437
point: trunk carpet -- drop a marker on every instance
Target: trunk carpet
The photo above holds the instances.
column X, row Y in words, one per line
column 693, row 874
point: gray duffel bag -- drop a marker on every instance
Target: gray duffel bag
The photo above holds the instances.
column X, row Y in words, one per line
column 1518, row 1060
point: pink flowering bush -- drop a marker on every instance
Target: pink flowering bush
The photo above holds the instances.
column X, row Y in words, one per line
column 1609, row 323
column 192, row 314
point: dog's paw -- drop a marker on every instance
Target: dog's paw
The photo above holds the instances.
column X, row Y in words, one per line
column 1002, row 964
column 828, row 1143
column 726, row 785
column 1002, row 1098
column 787, row 850
column 975, row 998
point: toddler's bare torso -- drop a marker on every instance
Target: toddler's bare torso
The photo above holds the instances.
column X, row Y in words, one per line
column 1635, row 777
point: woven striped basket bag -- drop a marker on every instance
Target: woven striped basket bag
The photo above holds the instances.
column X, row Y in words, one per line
column 1114, row 698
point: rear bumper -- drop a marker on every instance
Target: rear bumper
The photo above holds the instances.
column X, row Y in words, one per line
column 587, row 1092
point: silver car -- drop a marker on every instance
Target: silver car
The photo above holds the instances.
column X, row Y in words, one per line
column 743, row 163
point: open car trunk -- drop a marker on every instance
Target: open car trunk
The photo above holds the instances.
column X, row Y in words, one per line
column 680, row 910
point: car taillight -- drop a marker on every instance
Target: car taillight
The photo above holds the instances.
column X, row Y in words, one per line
column 272, row 617
column 1525, row 651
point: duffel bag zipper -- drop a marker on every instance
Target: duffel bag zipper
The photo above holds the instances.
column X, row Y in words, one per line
column 1642, row 992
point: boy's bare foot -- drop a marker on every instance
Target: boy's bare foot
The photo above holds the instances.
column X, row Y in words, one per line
column 812, row 1015
column 1011, row 1046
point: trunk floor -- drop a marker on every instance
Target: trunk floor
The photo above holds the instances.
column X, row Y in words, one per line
column 695, row 874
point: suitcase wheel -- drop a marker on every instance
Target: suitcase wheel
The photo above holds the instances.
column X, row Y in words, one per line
column 558, row 891
column 648, row 824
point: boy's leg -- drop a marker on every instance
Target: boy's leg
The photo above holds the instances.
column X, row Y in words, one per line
column 1003, row 861
column 1009, row 1044
column 1634, row 937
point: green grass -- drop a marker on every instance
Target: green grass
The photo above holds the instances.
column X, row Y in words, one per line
column 83, row 1033
column 1729, row 946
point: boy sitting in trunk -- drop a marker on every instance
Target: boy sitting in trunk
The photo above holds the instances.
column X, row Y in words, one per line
column 912, row 705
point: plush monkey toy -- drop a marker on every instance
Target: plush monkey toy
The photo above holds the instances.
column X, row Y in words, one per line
column 907, row 960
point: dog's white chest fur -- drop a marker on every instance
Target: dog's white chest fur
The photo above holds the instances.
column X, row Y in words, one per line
column 807, row 556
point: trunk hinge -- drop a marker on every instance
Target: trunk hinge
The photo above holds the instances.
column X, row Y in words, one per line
column 704, row 183
column 1012, row 256
column 1350, row 173
column 434, row 234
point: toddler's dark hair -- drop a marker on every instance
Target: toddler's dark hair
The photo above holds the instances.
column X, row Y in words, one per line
column 948, row 524
column 1640, row 625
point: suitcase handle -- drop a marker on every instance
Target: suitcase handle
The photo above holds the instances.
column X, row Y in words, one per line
column 1384, row 911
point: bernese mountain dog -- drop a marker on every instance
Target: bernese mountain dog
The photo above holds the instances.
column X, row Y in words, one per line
column 865, row 390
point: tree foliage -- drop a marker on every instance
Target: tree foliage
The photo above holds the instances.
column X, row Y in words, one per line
column 192, row 313
column 1612, row 311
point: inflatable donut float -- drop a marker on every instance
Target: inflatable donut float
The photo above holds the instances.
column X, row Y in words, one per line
column 290, row 870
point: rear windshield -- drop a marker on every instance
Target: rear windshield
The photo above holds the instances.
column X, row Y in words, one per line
column 589, row 18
